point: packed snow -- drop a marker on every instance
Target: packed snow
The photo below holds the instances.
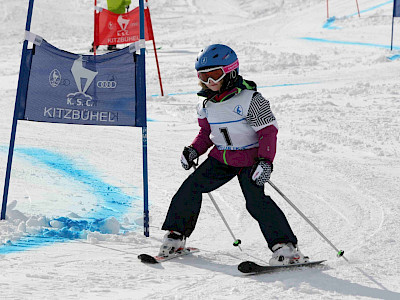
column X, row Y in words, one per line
column 74, row 223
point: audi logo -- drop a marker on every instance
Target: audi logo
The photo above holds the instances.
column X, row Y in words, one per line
column 106, row 84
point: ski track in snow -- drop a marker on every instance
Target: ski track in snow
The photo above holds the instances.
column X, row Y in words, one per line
column 337, row 105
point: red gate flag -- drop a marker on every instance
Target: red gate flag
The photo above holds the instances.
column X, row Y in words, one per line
column 115, row 29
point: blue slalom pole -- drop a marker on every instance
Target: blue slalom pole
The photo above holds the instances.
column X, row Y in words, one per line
column 142, row 97
column 391, row 43
column 21, row 78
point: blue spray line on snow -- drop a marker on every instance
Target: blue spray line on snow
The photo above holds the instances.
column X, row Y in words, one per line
column 258, row 87
column 114, row 202
column 287, row 84
column 329, row 23
column 348, row 43
column 372, row 8
column 394, row 57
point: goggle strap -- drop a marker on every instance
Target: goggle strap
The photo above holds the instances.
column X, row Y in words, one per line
column 226, row 69
column 231, row 67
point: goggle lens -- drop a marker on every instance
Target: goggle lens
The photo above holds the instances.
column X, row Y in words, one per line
column 215, row 75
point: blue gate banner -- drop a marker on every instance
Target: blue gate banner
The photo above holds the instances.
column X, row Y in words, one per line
column 63, row 87
column 396, row 8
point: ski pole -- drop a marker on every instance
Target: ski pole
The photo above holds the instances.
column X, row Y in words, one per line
column 236, row 242
column 340, row 253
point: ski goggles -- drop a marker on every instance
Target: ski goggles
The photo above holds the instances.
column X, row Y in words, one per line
column 217, row 73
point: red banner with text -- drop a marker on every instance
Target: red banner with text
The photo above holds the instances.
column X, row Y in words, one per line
column 113, row 29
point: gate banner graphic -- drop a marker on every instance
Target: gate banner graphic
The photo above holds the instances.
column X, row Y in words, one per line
column 113, row 29
column 81, row 89
column 396, row 8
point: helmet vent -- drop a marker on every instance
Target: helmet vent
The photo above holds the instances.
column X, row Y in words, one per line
column 215, row 56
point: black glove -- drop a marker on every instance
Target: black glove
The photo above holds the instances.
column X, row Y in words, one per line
column 188, row 156
column 261, row 171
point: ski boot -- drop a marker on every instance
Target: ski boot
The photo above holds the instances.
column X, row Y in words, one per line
column 172, row 242
column 112, row 48
column 287, row 254
column 92, row 49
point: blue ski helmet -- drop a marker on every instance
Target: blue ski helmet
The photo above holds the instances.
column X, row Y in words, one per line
column 214, row 56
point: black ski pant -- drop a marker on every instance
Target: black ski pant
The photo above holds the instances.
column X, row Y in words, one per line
column 210, row 175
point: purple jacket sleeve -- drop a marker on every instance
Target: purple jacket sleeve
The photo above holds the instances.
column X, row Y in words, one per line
column 267, row 142
column 202, row 141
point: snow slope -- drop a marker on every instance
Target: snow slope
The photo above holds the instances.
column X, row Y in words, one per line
column 73, row 228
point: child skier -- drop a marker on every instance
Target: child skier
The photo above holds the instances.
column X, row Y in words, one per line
column 238, row 121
